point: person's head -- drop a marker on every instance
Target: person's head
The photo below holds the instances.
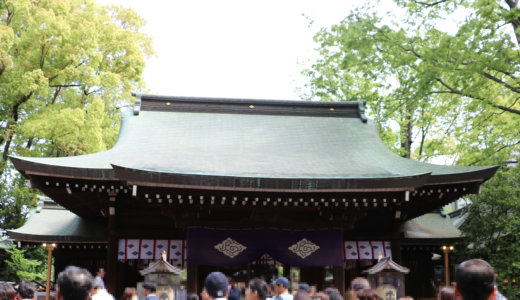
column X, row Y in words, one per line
column 304, row 286
column 281, row 285
column 149, row 288
column 475, row 280
column 192, row 296
column 26, row 290
column 215, row 286
column 320, row 296
column 96, row 286
column 257, row 289
column 74, row 284
column 302, row 295
column 333, row 293
column 359, row 283
column 231, row 281
column 367, row 294
column 312, row 290
column 129, row 293
column 446, row 293
column 101, row 272
column 7, row 292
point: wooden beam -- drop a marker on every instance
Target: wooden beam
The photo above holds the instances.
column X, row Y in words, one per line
column 192, row 279
column 112, row 270
column 339, row 278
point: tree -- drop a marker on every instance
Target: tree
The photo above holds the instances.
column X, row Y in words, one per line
column 65, row 68
column 24, row 265
column 491, row 230
column 431, row 92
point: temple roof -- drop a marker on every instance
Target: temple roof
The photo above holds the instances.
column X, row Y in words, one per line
column 53, row 223
column 430, row 226
column 250, row 145
column 160, row 266
column 386, row 264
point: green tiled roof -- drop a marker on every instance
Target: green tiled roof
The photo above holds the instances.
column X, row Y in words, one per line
column 430, row 226
column 56, row 224
column 236, row 143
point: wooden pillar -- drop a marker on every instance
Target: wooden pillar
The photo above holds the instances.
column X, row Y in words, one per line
column 396, row 249
column 192, row 279
column 338, row 273
column 313, row 276
column 286, row 271
column 111, row 268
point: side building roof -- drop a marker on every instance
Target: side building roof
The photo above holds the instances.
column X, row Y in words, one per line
column 53, row 223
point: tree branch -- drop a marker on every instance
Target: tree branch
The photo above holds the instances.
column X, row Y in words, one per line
column 501, row 107
column 10, row 15
column 63, row 85
column 498, row 150
column 498, row 80
column 429, row 4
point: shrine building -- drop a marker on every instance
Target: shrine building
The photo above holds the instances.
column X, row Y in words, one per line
column 240, row 185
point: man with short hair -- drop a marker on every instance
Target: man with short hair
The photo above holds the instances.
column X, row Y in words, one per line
column 74, row 283
column 281, row 288
column 99, row 292
column 475, row 280
column 26, row 290
column 149, row 290
column 357, row 284
column 215, row 287
column 99, row 276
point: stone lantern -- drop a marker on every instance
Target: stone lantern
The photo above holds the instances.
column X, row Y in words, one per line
column 387, row 278
column 161, row 272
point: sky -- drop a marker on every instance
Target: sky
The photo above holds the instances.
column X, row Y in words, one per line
column 233, row 48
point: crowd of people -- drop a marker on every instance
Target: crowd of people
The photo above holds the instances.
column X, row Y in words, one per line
column 474, row 280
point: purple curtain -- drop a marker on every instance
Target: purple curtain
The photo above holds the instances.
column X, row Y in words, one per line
column 239, row 247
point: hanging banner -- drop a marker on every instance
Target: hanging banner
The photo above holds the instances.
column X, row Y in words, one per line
column 160, row 246
column 147, row 249
column 351, row 250
column 132, row 249
column 365, row 250
column 239, row 247
column 176, row 249
column 388, row 249
column 377, row 249
column 121, row 253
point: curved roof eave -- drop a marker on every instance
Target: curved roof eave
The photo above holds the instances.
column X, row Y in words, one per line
column 30, row 166
column 59, row 225
column 252, row 144
column 180, row 180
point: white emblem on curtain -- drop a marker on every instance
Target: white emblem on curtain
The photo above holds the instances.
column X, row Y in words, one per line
column 230, row 247
column 304, row 248
column 377, row 247
column 365, row 250
column 351, row 250
column 121, row 253
column 146, row 249
column 176, row 250
column 388, row 248
column 132, row 249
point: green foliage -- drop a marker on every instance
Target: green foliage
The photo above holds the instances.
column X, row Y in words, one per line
column 16, row 199
column 24, row 264
column 491, row 229
column 65, row 68
column 432, row 92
